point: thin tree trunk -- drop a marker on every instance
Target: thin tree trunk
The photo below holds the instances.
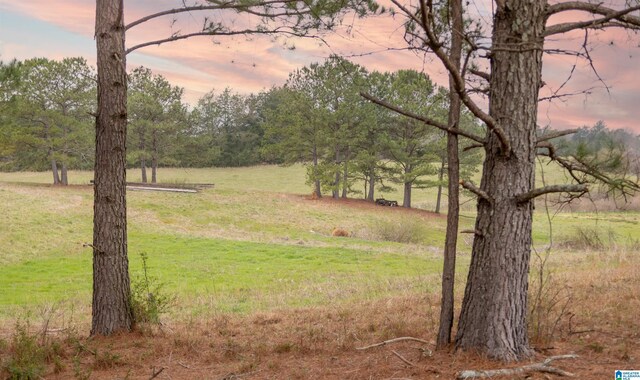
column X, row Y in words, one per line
column 54, row 170
column 111, row 288
column 345, row 177
column 336, row 184
column 154, row 156
column 143, row 169
column 372, row 184
column 316, row 180
column 441, row 175
column 493, row 319
column 63, row 175
column 407, row 189
column 54, row 165
column 453, row 172
column 143, row 157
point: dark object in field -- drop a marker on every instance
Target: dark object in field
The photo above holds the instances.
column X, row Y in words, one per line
column 384, row 202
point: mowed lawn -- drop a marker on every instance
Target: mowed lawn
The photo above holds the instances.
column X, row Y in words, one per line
column 253, row 242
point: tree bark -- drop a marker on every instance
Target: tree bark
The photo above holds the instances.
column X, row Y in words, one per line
column 336, row 184
column 111, row 288
column 143, row 169
column 494, row 310
column 453, row 172
column 64, row 179
column 441, row 175
column 154, row 156
column 345, row 173
column 316, row 180
column 54, row 165
column 406, row 200
column 54, row 170
column 143, row 158
column 372, row 184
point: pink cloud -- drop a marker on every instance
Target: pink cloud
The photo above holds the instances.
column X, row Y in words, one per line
column 250, row 64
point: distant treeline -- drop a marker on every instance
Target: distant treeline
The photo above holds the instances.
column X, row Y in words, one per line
column 318, row 118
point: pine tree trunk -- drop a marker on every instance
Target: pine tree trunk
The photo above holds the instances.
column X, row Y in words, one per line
column 111, row 289
column 493, row 319
column 440, row 176
column 54, row 170
column 154, row 157
column 345, row 173
column 143, row 169
column 143, row 157
column 372, row 183
column 336, row 184
column 453, row 172
column 64, row 179
column 406, row 202
column 316, row 181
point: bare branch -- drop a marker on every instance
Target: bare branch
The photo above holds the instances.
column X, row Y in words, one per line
column 554, row 134
column 472, row 146
column 481, row 74
column 480, row 193
column 539, row 367
column 580, row 171
column 426, row 120
column 550, row 148
column 395, row 340
column 436, row 47
column 217, row 6
column 608, row 13
column 403, row 359
column 581, row 188
column 210, row 33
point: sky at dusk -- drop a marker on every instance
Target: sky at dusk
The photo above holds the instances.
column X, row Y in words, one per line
column 64, row 28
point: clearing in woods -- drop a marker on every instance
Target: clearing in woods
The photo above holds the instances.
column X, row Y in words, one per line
column 264, row 291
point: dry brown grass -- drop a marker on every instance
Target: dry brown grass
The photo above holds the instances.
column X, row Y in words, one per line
column 600, row 325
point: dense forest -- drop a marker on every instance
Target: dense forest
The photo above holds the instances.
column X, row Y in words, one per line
column 318, row 118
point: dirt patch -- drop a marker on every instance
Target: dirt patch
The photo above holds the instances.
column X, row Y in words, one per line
column 363, row 204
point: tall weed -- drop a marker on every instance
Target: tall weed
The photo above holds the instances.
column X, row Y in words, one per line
column 149, row 299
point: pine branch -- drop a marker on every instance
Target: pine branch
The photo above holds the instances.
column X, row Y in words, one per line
column 480, row 193
column 217, row 6
column 211, row 33
column 442, row 55
column 608, row 13
column 426, row 120
column 580, row 188
column 554, row 134
column 550, row 148
column 481, row 74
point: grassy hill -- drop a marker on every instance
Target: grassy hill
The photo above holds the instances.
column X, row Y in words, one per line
column 253, row 242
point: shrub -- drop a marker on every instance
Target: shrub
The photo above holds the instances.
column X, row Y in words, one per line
column 28, row 357
column 148, row 297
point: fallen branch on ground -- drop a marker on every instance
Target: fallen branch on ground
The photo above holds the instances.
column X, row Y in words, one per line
column 538, row 367
column 403, row 359
column 393, row 341
column 155, row 373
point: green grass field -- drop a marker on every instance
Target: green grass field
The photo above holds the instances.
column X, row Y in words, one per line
column 253, row 242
